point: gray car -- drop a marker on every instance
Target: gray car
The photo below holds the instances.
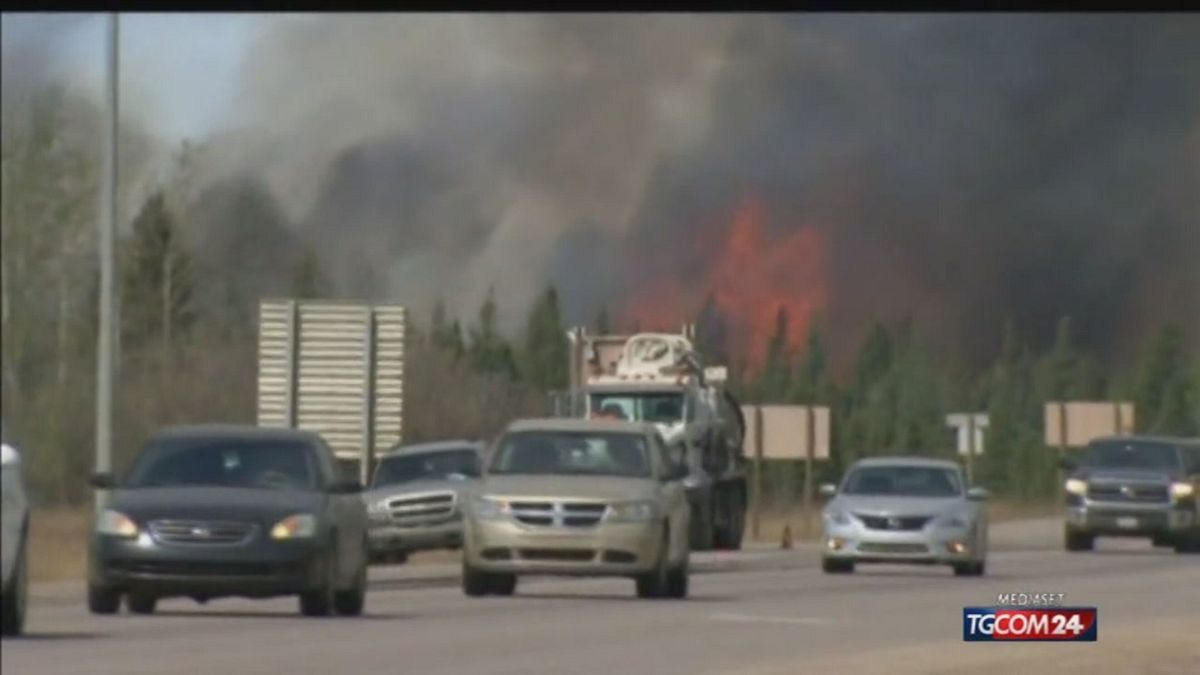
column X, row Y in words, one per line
column 905, row 510
column 415, row 499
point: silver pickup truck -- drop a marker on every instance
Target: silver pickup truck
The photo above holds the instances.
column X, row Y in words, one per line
column 414, row 502
column 1134, row 486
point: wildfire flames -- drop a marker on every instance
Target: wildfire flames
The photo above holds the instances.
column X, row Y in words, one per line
column 751, row 277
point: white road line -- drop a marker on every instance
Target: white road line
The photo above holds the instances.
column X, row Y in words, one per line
column 747, row 618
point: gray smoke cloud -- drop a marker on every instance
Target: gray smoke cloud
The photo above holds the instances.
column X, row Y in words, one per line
column 965, row 169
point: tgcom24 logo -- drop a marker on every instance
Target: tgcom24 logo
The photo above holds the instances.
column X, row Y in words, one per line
column 1006, row 624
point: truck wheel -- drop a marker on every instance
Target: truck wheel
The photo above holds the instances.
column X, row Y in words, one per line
column 12, row 616
column 1079, row 541
column 103, row 600
column 677, row 581
column 702, row 529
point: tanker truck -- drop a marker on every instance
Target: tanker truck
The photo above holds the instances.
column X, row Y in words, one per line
column 660, row 378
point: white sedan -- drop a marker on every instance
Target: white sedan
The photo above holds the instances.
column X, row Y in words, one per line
column 14, row 537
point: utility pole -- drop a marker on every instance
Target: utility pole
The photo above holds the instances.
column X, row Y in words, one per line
column 106, row 340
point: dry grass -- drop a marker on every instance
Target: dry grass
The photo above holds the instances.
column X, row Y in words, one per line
column 58, row 544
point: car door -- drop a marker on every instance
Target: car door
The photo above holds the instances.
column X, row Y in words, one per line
column 672, row 494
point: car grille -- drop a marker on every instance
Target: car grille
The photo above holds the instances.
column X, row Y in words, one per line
column 877, row 547
column 424, row 509
column 1146, row 493
column 559, row 514
column 905, row 523
column 201, row 532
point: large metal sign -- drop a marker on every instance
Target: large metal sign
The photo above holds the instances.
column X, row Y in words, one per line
column 785, row 431
column 1074, row 424
column 336, row 368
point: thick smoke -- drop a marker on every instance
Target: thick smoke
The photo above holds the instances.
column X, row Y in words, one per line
column 964, row 169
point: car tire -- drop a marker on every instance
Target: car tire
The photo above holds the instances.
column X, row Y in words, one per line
column 351, row 602
column 835, row 566
column 319, row 601
column 140, row 603
column 1163, row 541
column 16, row 597
column 677, row 582
column 974, row 568
column 103, row 600
column 475, row 583
column 1078, row 541
column 502, row 584
column 653, row 584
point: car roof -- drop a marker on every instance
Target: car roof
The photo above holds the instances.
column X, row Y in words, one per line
column 432, row 446
column 230, row 431
column 634, row 387
column 907, row 460
column 581, row 424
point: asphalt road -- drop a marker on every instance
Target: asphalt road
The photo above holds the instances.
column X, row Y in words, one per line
column 775, row 613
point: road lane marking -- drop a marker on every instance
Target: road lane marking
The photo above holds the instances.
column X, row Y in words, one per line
column 797, row 620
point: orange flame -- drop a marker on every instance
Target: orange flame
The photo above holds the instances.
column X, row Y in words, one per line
column 751, row 278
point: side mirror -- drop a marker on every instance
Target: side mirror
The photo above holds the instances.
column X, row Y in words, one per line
column 103, row 481
column 827, row 490
column 345, row 487
column 977, row 494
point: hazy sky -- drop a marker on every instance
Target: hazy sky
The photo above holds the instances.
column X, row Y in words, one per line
column 178, row 71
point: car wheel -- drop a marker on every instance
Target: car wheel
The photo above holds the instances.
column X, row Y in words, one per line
column 1162, row 541
column 319, row 601
column 351, row 602
column 502, row 584
column 835, row 566
column 141, row 603
column 474, row 582
column 12, row 615
column 653, row 584
column 974, row 568
column 1079, row 541
column 103, row 600
column 677, row 581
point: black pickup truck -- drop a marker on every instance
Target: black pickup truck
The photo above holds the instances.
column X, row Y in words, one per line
column 1134, row 486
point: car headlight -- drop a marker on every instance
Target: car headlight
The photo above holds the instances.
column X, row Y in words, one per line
column 298, row 526
column 837, row 517
column 951, row 521
column 487, row 508
column 1076, row 486
column 632, row 512
column 116, row 524
column 1182, row 490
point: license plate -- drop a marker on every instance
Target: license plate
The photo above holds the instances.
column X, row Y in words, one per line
column 1127, row 523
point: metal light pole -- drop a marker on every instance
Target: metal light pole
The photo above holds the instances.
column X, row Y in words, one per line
column 106, row 340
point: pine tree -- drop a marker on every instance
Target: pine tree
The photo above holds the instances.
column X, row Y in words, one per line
column 157, row 284
column 1165, row 395
column 776, row 377
column 489, row 351
column 545, row 354
column 308, row 282
column 712, row 332
column 444, row 335
column 811, row 382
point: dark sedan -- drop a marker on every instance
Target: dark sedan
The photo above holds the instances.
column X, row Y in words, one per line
column 216, row 511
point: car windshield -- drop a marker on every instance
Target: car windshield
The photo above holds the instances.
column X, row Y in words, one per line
column 658, row 407
column 903, row 481
column 572, row 453
column 234, row 462
column 1131, row 455
column 439, row 465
